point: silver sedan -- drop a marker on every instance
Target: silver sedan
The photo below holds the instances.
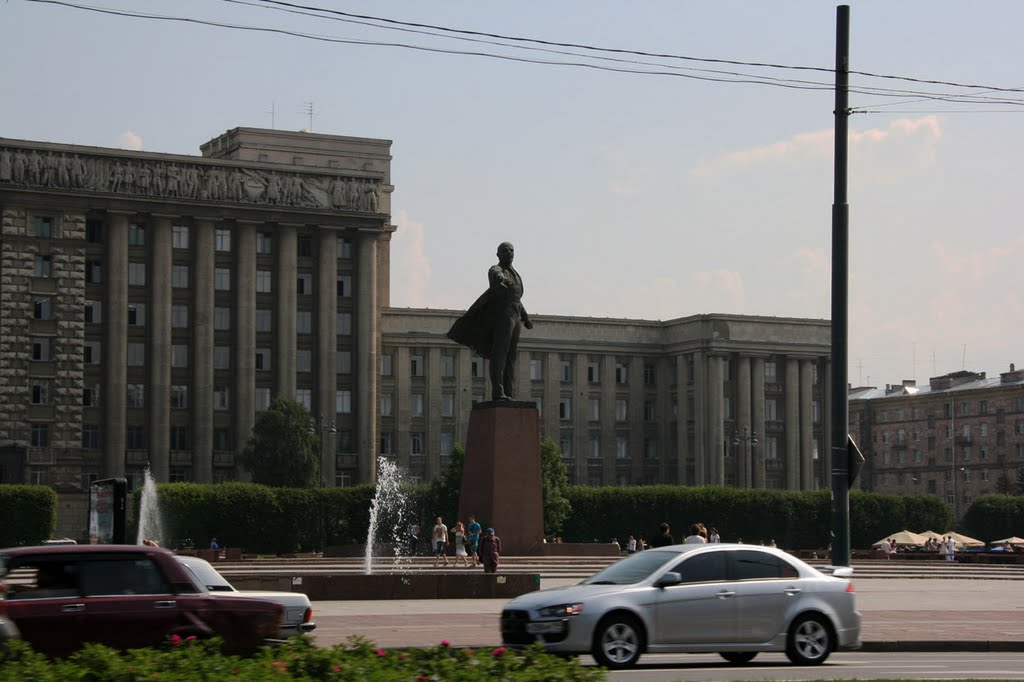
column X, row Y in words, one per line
column 736, row 600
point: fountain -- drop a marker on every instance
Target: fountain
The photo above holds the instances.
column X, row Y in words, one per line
column 149, row 512
column 387, row 512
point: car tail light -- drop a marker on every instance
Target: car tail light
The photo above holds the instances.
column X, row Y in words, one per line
column 849, row 587
column 307, row 617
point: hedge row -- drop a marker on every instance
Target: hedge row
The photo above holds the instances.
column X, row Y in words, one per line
column 994, row 517
column 28, row 514
column 793, row 519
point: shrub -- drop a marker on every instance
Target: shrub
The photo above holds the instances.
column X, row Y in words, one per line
column 994, row 517
column 29, row 514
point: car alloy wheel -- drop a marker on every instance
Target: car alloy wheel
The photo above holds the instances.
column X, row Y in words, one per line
column 738, row 657
column 618, row 642
column 810, row 640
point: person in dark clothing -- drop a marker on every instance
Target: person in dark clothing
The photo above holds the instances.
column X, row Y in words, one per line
column 664, row 538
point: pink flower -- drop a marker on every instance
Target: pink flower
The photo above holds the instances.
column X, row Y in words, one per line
column 422, row 677
column 191, row 638
column 279, row 665
column 175, row 640
column 380, row 652
column 336, row 668
column 445, row 642
column 499, row 651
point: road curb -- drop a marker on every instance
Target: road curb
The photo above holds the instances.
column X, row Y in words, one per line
column 941, row 646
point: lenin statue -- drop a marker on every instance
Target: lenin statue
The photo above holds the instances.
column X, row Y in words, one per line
column 491, row 325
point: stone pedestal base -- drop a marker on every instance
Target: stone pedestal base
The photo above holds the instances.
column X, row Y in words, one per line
column 501, row 482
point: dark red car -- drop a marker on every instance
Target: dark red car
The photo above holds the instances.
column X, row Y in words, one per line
column 124, row 596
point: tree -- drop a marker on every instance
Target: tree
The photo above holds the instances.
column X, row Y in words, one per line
column 555, row 482
column 284, row 450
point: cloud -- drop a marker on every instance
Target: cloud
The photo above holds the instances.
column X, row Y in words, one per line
column 719, row 290
column 410, row 266
column 905, row 146
column 129, row 140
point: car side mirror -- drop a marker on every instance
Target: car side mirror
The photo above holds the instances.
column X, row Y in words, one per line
column 669, row 579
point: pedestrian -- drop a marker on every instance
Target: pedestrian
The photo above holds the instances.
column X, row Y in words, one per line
column 714, row 537
column 631, row 545
column 460, row 544
column 473, row 535
column 664, row 536
column 213, row 543
column 694, row 538
column 490, row 551
column 950, row 548
column 414, row 538
column 439, row 538
column 615, row 544
column 641, row 543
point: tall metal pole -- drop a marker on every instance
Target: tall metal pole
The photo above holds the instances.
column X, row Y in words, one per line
column 840, row 296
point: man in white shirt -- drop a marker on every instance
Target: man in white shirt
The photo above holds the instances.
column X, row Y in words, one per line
column 440, row 538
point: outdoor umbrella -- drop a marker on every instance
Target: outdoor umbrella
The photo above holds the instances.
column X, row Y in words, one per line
column 932, row 534
column 903, row 539
column 964, row 541
column 1015, row 541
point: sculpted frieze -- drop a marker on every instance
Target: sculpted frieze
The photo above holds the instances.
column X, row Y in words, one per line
column 181, row 180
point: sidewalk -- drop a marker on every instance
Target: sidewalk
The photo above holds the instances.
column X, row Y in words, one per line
column 898, row 615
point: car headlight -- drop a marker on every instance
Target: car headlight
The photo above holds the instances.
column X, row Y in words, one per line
column 560, row 610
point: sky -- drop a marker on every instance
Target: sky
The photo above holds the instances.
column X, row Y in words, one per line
column 627, row 195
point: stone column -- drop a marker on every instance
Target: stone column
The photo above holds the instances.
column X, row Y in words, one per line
column 682, row 420
column 700, row 400
column 201, row 395
column 792, row 424
column 115, row 345
column 743, row 413
column 635, row 415
column 285, row 283
column 581, row 417
column 806, row 427
column 327, row 346
column 609, row 426
column 244, row 360
column 716, row 428
column 366, row 323
column 159, row 360
column 757, row 477
column 552, row 423
column 432, row 410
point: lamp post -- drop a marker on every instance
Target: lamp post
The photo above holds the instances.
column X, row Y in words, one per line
column 324, row 426
column 749, row 440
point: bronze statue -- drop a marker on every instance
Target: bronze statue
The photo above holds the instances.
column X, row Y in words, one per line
column 491, row 325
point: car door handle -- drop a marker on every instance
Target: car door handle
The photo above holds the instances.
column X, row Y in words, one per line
column 792, row 591
column 170, row 604
column 725, row 594
column 72, row 608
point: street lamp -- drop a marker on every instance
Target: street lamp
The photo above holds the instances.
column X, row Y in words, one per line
column 325, row 426
column 749, row 440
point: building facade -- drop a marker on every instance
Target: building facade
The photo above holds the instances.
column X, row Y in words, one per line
column 960, row 436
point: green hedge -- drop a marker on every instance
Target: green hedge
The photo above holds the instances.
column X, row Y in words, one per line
column 28, row 513
column 994, row 517
column 793, row 519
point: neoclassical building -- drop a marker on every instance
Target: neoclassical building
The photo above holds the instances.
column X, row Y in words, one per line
column 152, row 304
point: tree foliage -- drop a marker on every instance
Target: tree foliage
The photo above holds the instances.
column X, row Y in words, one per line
column 29, row 514
column 284, row 450
column 555, row 482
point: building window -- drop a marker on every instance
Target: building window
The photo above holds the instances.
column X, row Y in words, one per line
column 44, row 228
column 303, row 361
column 136, row 235
column 40, row 349
column 91, row 395
column 92, row 352
column 179, row 316
column 135, row 437
column 343, row 360
column 304, row 284
column 264, row 320
column 179, row 438
column 565, row 409
column 179, row 236
column 222, row 240
column 536, row 370
column 650, row 448
column 136, row 314
column 304, row 247
column 222, row 279
column 447, row 366
column 304, row 322
column 304, row 396
column 344, row 248
column 179, row 397
column 385, row 443
column 416, row 365
column 136, row 395
column 264, row 243
column 263, row 359
column 386, row 364
column 594, row 411
column 264, row 282
column 416, row 443
column 595, row 447
column 621, row 375
column 221, row 398
column 566, row 371
column 344, row 324
column 649, row 411
column 621, row 410
column 93, row 271
column 179, row 355
column 565, row 444
column 179, row 276
column 221, row 357
column 42, row 309
column 593, row 372
column 344, row 286
column 136, row 354
column 90, row 437
column 343, row 402
column 93, row 312
column 416, row 405
column 771, row 410
column 40, row 392
column 385, row 404
column 261, row 399
column 649, row 374
column 222, row 319
column 94, row 231
column 44, row 266
column 137, row 274
column 222, row 440
column 40, row 435
column 447, row 443
column 447, row 404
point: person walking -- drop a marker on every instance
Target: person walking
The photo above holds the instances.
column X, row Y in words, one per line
column 439, row 538
column 950, row 548
column 631, row 545
column 714, row 537
column 694, row 538
column 460, row 544
column 490, row 551
column 664, row 537
column 473, row 535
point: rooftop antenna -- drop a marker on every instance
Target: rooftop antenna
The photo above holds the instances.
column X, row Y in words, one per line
column 271, row 112
column 310, row 110
column 914, row 361
column 963, row 363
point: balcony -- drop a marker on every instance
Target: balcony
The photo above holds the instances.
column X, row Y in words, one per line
column 963, row 440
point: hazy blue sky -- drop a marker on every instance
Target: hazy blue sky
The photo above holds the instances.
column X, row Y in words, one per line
column 626, row 195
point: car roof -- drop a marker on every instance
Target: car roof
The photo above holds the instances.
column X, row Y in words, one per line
column 82, row 549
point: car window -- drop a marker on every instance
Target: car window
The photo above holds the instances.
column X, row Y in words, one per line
column 42, row 578
column 632, row 569
column 702, row 567
column 753, row 565
column 122, row 576
column 206, row 575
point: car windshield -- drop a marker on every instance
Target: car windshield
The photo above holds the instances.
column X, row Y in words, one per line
column 206, row 575
column 632, row 569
